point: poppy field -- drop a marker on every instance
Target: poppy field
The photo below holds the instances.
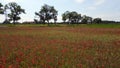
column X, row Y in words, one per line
column 59, row 47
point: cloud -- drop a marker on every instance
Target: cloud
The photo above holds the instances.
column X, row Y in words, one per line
column 108, row 16
column 92, row 7
column 11, row 0
column 96, row 4
column 80, row 1
column 7, row 1
column 99, row 2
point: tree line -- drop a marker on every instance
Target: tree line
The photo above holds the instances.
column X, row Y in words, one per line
column 12, row 13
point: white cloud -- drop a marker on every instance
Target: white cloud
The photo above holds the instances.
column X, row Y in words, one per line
column 11, row 0
column 108, row 16
column 96, row 4
column 80, row 1
column 7, row 1
column 99, row 2
column 59, row 18
column 92, row 7
column 2, row 18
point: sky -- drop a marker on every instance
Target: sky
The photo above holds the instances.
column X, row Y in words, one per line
column 105, row 9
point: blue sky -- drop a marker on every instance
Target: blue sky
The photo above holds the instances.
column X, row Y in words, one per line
column 105, row 9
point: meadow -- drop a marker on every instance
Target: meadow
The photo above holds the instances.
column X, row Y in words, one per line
column 60, row 46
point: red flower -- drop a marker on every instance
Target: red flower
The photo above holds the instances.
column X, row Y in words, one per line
column 2, row 66
column 33, row 61
column 79, row 65
column 18, row 59
column 10, row 66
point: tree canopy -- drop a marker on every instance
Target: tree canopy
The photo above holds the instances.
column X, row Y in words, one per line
column 71, row 17
column 97, row 20
column 46, row 13
column 86, row 19
column 1, row 9
column 15, row 11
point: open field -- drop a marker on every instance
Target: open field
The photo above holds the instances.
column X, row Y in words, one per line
column 64, row 25
column 83, row 46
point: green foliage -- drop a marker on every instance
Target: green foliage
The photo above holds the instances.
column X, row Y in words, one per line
column 65, row 25
column 86, row 19
column 46, row 13
column 97, row 20
column 1, row 9
column 64, row 16
column 72, row 17
column 15, row 11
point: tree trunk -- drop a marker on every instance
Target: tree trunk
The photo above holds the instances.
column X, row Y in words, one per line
column 43, row 21
column 55, row 22
column 14, row 18
column 48, row 22
column 14, row 22
column 69, row 21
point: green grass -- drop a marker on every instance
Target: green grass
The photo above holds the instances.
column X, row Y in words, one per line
column 64, row 25
column 96, row 25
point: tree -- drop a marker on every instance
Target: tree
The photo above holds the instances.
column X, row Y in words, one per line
column 69, row 16
column 6, row 21
column 86, row 19
column 64, row 17
column 55, row 19
column 75, row 17
column 54, row 14
column 97, row 20
column 47, row 13
column 89, row 20
column 40, row 17
column 15, row 11
column 1, row 9
column 78, row 18
column 72, row 17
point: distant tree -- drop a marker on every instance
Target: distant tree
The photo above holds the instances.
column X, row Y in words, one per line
column 54, row 13
column 15, row 11
column 75, row 17
column 5, row 13
column 6, row 21
column 39, row 18
column 89, row 20
column 64, row 17
column 72, row 17
column 55, row 19
column 78, row 18
column 1, row 9
column 86, row 19
column 108, row 22
column 97, row 20
column 47, row 13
